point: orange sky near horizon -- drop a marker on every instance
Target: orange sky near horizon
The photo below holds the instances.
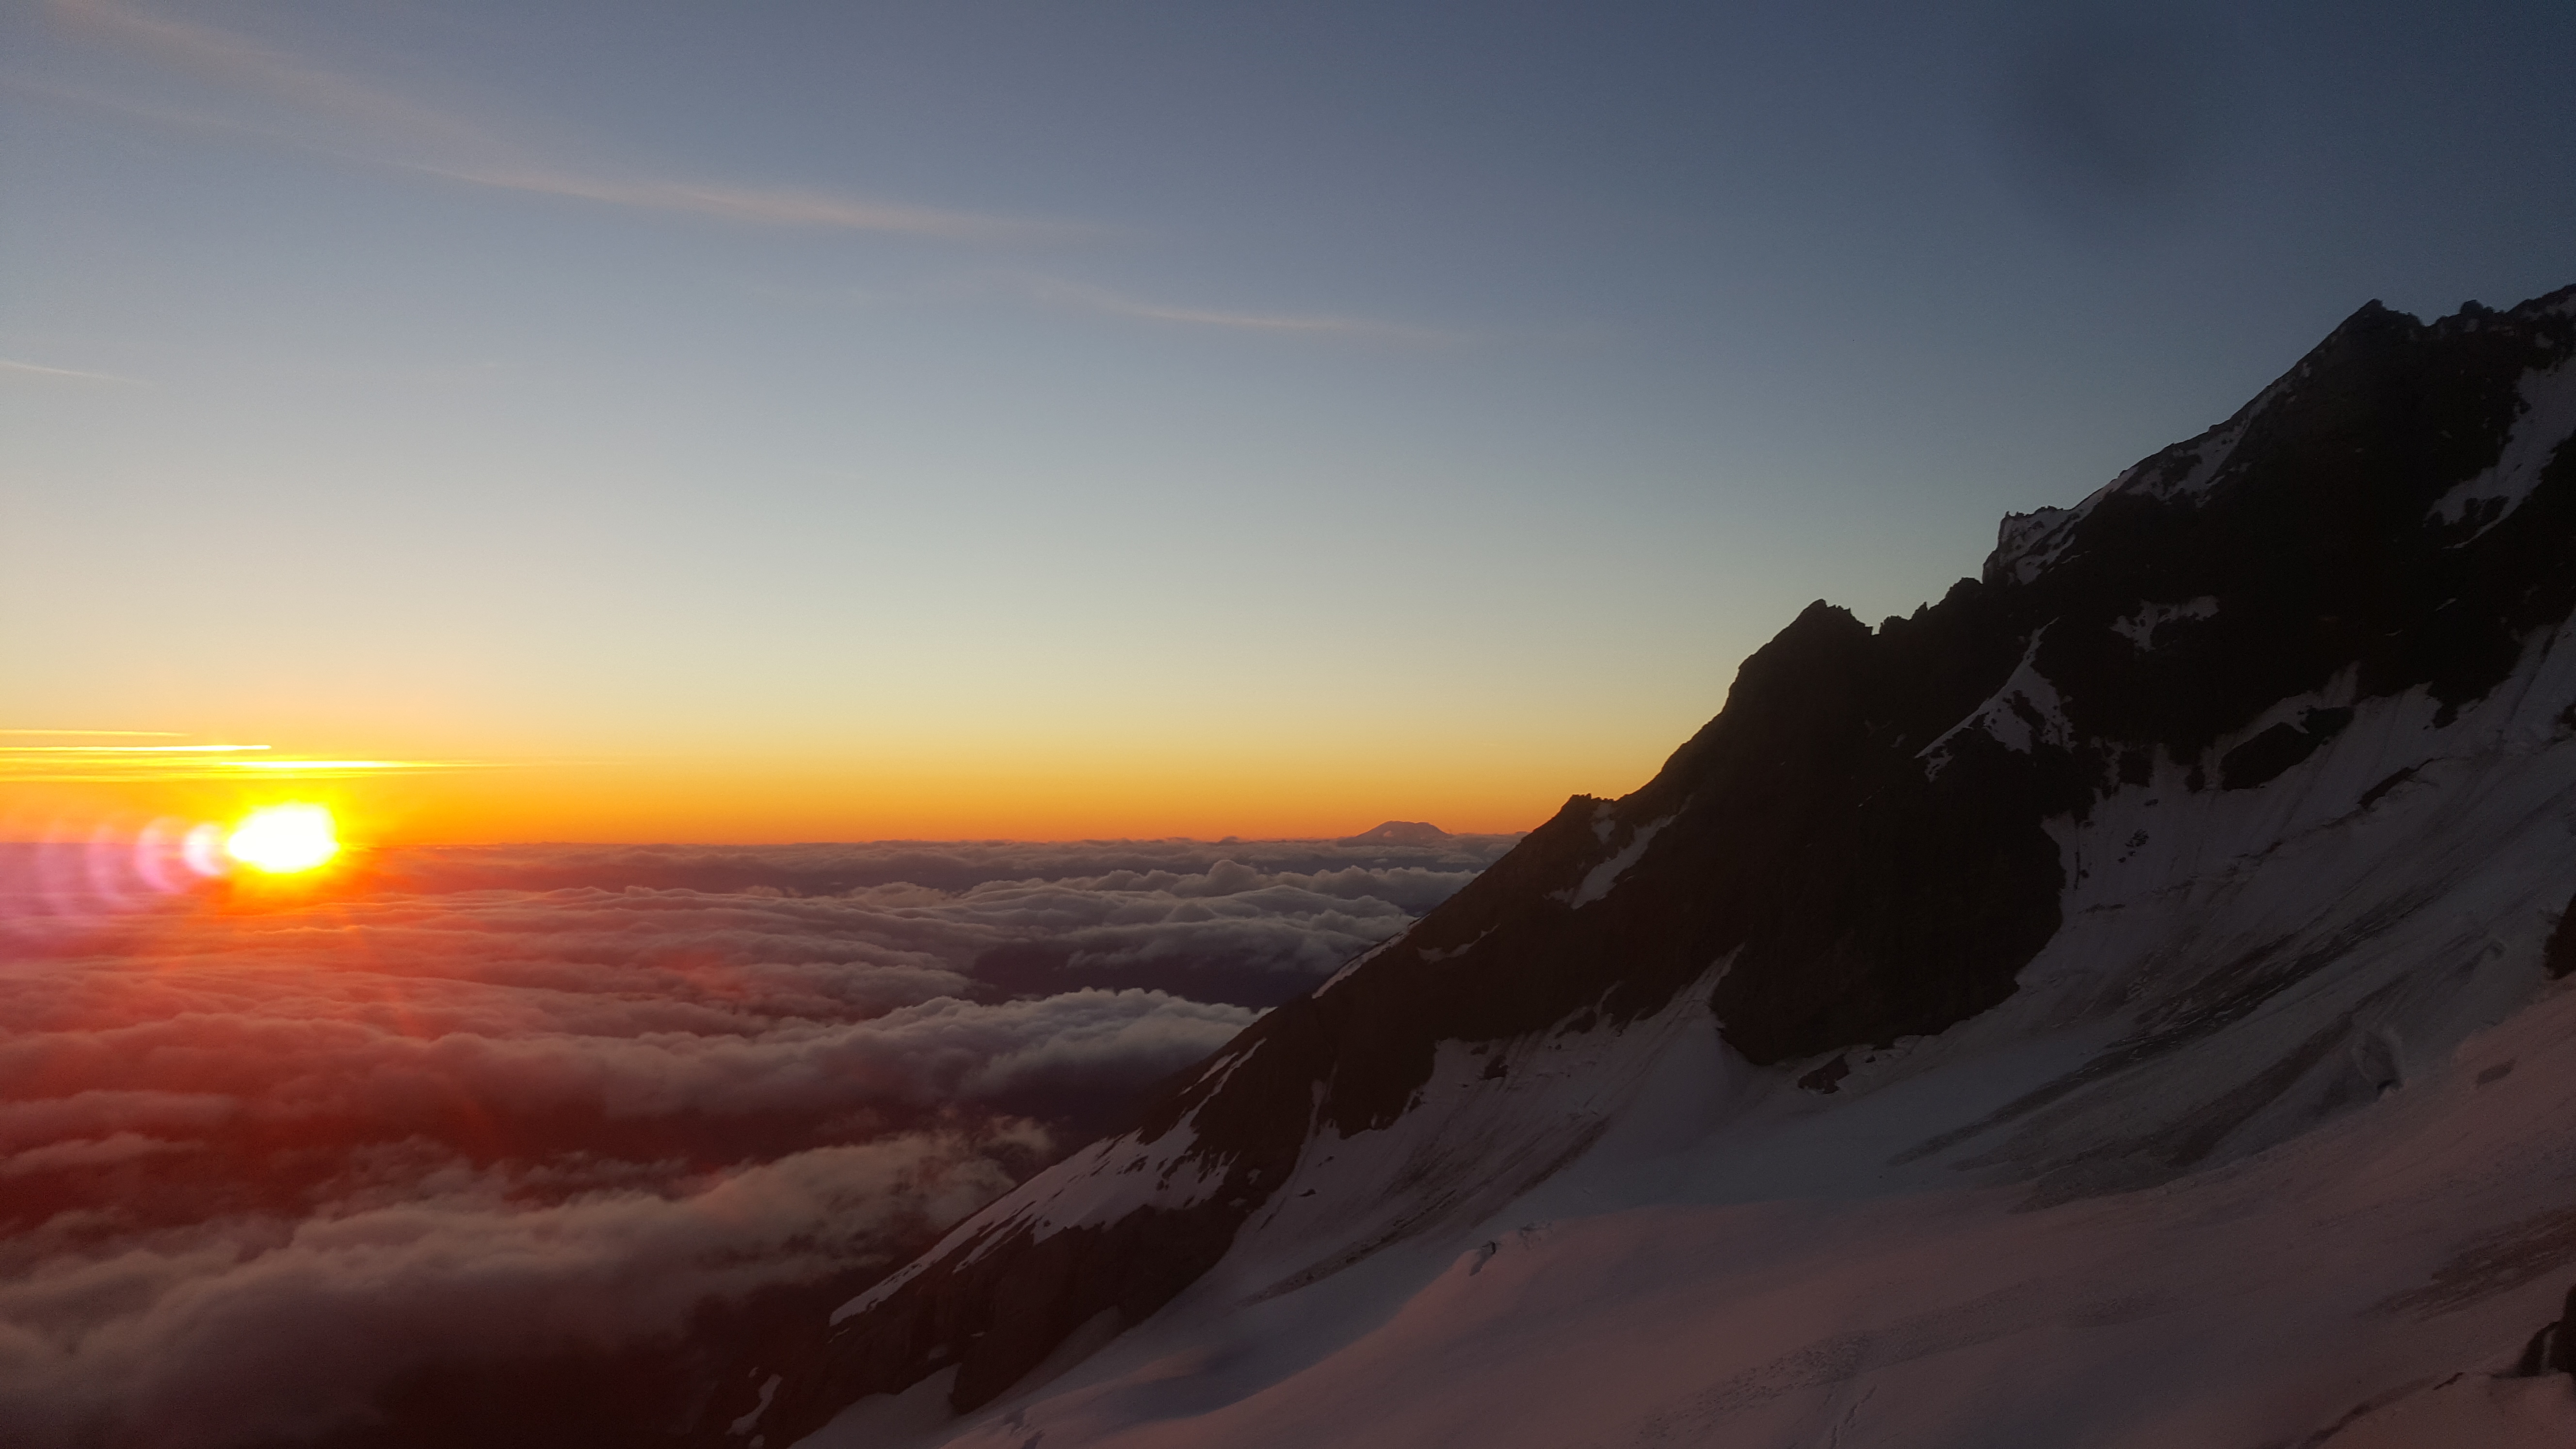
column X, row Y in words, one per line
column 865, row 422
column 737, row 766
column 953, row 795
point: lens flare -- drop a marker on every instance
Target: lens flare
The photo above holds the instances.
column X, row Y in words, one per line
column 283, row 839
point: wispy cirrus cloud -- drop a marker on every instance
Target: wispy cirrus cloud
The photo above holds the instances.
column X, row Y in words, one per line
column 242, row 64
column 74, row 757
column 769, row 206
column 10, row 367
column 1072, row 296
column 317, row 109
column 375, row 124
column 1058, row 292
column 1086, row 298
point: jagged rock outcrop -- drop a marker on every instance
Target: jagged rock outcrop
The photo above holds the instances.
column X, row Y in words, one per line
column 2552, row 1350
column 1871, row 841
column 2562, row 943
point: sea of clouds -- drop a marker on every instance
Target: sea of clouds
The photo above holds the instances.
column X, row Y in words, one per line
column 269, row 1164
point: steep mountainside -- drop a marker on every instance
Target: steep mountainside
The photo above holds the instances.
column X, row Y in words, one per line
column 2230, row 799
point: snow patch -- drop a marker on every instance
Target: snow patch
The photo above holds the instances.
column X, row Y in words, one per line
column 2491, row 1411
column 1358, row 961
column 885, row 1287
column 2026, row 544
column 2209, row 455
column 1101, row 1183
column 1495, row 1119
column 1105, row 1183
column 751, row 1420
column 1213, row 1079
column 2548, row 420
column 1444, row 953
column 2140, row 628
column 2025, row 713
column 1598, row 882
column 884, row 1421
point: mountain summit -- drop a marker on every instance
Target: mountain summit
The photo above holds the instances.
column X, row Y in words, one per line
column 2101, row 990
column 1398, row 832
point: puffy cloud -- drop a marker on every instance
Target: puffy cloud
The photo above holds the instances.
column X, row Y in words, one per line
column 262, row 1164
column 231, row 1329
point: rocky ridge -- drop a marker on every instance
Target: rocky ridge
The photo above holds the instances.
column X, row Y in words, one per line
column 2082, row 782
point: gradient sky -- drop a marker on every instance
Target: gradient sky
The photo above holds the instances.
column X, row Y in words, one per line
column 829, row 421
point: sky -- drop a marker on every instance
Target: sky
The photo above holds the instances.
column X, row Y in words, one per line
column 772, row 422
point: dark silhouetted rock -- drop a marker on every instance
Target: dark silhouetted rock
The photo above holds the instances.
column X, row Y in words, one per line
column 2561, row 953
column 1859, row 840
column 2553, row 1349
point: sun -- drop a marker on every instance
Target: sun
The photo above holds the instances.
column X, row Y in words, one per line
column 283, row 839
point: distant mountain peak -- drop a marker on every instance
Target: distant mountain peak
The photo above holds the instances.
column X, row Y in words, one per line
column 1398, row 832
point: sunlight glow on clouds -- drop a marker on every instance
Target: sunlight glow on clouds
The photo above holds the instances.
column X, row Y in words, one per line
column 264, row 1159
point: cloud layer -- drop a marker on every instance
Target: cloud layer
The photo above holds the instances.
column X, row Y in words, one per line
column 262, row 1164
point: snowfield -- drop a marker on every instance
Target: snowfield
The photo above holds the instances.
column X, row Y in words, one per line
column 2276, row 1141
column 2127, row 1004
column 1682, row 1298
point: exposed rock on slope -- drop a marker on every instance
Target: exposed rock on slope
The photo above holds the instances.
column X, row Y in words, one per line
column 2214, row 761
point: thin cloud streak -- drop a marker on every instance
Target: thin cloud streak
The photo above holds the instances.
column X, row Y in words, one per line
column 1080, row 296
column 1100, row 299
column 422, row 140
column 425, row 140
column 127, row 772
column 234, row 61
column 10, row 367
column 770, row 206
column 126, row 749
column 89, row 764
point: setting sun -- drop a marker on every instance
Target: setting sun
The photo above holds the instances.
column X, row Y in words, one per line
column 283, row 839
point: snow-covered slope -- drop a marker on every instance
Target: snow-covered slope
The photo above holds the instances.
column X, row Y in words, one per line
column 2116, row 1005
column 1759, row 1285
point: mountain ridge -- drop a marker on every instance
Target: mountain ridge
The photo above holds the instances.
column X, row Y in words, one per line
column 1883, row 829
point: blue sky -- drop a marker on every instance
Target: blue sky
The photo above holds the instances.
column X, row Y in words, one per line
column 1435, row 399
